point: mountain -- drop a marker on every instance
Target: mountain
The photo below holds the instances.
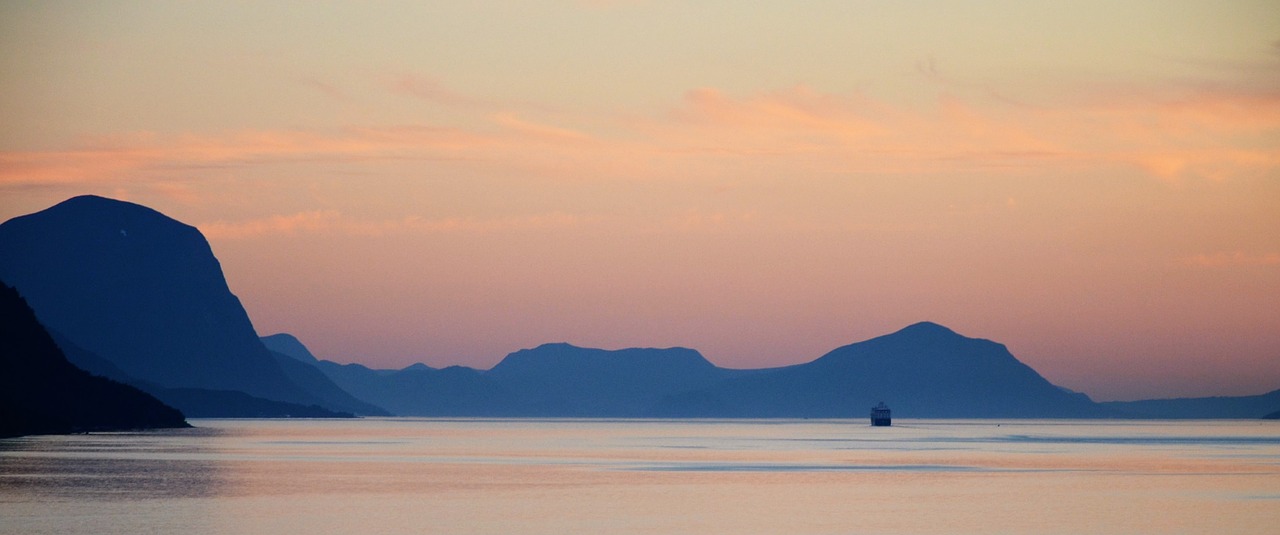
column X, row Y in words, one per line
column 1272, row 416
column 922, row 371
column 143, row 292
column 136, row 295
column 288, row 345
column 197, row 402
column 552, row 380
column 1192, row 408
column 316, row 383
column 300, row 366
column 417, row 390
column 88, row 361
column 420, row 390
column 206, row 403
column 43, row 393
column 565, row 380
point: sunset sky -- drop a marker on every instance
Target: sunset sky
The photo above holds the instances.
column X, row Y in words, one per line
column 1094, row 184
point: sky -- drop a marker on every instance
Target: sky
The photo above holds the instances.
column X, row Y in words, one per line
column 1094, row 184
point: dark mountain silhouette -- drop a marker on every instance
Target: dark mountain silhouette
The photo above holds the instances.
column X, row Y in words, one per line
column 922, row 371
column 206, row 403
column 451, row 391
column 143, row 292
column 300, row 366
column 1272, row 416
column 194, row 402
column 314, row 382
column 424, row 391
column 138, row 296
column 288, row 345
column 1194, row 408
column 417, row 390
column 552, row 380
column 90, row 362
column 43, row 393
column 564, row 380
column 557, row 380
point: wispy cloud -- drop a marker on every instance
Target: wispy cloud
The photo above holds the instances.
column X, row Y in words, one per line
column 277, row 224
column 122, row 156
column 326, row 88
column 333, row 221
column 431, row 90
column 514, row 123
column 1207, row 133
column 846, row 133
column 1223, row 259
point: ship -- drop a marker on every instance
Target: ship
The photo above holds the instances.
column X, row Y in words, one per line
column 880, row 415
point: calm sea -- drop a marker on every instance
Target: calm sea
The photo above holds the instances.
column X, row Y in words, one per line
column 649, row 476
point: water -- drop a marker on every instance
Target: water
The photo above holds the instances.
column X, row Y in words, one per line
column 602, row 476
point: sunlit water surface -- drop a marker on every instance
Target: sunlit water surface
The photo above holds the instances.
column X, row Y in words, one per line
column 603, row 476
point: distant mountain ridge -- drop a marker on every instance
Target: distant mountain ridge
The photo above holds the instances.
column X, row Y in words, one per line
column 1248, row 407
column 564, row 380
column 923, row 370
column 134, row 295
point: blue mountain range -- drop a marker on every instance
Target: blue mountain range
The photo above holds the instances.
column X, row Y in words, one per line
column 133, row 295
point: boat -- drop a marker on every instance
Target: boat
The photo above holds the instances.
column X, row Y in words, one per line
column 880, row 415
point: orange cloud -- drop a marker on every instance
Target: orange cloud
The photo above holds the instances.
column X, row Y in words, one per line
column 1224, row 259
column 276, row 224
column 796, row 131
column 799, row 109
column 432, row 91
column 1210, row 134
column 806, row 129
column 123, row 156
column 1207, row 133
column 538, row 130
column 332, row 221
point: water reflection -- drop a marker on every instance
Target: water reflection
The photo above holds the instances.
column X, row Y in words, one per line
column 600, row 476
column 111, row 466
column 782, row 467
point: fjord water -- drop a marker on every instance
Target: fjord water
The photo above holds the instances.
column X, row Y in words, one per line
column 648, row 476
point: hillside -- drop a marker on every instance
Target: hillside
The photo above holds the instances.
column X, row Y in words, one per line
column 1207, row 407
column 145, row 294
column 42, row 393
column 924, row 370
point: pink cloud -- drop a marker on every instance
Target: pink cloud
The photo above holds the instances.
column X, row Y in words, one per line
column 276, row 224
column 121, row 157
column 332, row 221
column 846, row 133
column 1224, row 259
column 1205, row 134
column 329, row 90
column 538, row 130
column 798, row 109
column 430, row 90
column 1210, row 134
